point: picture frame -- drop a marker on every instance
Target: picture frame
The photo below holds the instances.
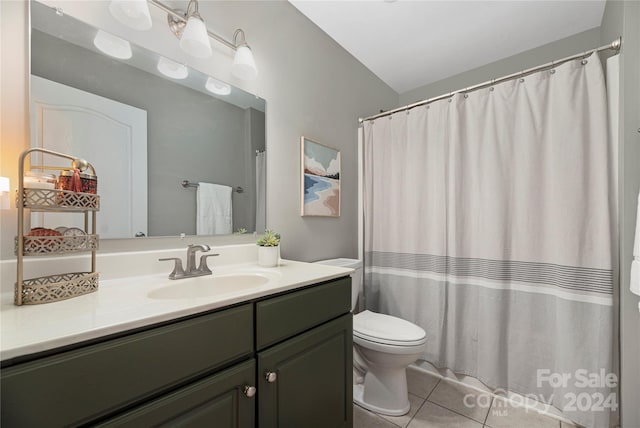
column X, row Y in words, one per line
column 320, row 179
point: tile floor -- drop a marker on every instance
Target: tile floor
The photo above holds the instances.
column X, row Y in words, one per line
column 437, row 403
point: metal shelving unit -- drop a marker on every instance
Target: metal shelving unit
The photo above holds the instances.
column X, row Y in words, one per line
column 52, row 288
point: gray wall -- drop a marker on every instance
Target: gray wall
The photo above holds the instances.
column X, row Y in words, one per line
column 313, row 87
column 190, row 135
column 513, row 64
column 14, row 109
column 623, row 18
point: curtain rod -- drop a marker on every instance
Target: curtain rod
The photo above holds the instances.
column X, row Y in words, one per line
column 615, row 45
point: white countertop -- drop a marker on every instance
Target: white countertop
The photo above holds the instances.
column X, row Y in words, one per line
column 123, row 304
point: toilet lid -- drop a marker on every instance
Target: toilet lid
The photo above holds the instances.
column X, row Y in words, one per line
column 387, row 329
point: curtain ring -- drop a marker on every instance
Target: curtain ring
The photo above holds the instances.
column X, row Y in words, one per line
column 584, row 58
column 553, row 70
column 450, row 96
column 491, row 88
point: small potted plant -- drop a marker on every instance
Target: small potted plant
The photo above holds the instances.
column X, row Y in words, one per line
column 269, row 249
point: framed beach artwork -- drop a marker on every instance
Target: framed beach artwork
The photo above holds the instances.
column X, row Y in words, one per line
column 320, row 179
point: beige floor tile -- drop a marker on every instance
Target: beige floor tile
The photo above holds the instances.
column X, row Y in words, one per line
column 462, row 399
column 505, row 415
column 363, row 418
column 402, row 421
column 568, row 425
column 543, row 407
column 420, row 382
column 433, row 416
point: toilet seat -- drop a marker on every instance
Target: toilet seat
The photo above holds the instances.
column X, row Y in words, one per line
column 387, row 330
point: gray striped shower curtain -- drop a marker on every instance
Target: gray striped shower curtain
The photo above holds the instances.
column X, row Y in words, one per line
column 490, row 222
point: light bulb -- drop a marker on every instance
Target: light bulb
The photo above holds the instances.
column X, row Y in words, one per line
column 4, row 184
column 195, row 40
column 112, row 45
column 217, row 87
column 243, row 65
column 4, row 193
column 132, row 13
column 172, row 69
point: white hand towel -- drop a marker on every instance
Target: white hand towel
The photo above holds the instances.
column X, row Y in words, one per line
column 214, row 210
column 635, row 264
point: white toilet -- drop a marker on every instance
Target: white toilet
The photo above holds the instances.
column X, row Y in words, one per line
column 383, row 348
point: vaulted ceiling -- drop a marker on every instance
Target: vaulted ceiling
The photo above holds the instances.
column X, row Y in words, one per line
column 409, row 43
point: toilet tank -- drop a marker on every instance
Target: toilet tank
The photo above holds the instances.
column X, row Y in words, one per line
column 356, row 277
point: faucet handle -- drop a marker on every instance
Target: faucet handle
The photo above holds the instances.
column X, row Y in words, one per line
column 203, row 263
column 178, row 271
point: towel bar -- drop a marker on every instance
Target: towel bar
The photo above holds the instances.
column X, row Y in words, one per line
column 187, row 183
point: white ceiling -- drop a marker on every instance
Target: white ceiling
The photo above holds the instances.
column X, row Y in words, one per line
column 409, row 44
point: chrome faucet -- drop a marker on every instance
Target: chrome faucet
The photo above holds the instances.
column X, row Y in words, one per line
column 191, row 255
column 191, row 270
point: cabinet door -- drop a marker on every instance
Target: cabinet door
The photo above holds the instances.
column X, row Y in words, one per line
column 312, row 386
column 216, row 401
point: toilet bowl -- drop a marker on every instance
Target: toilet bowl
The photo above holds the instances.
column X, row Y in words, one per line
column 383, row 347
column 387, row 345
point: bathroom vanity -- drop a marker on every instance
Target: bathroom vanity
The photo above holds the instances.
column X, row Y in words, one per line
column 280, row 357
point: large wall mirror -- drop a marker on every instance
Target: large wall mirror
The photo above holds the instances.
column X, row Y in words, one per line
column 145, row 133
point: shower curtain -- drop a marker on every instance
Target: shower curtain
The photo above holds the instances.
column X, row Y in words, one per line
column 489, row 220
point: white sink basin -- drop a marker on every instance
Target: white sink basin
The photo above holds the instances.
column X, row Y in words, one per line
column 208, row 286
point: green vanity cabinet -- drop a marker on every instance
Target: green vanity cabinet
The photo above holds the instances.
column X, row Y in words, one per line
column 305, row 358
column 205, row 370
column 307, row 381
column 88, row 383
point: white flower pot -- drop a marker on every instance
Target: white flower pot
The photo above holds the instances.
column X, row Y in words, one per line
column 268, row 256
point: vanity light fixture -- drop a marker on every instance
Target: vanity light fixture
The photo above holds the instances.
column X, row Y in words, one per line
column 172, row 69
column 244, row 65
column 217, row 87
column 132, row 13
column 194, row 36
column 112, row 45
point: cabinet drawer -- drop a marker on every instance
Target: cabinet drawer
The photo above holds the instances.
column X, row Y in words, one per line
column 86, row 383
column 281, row 317
column 216, row 401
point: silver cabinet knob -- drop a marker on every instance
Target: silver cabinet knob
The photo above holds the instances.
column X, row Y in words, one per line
column 249, row 391
column 270, row 376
